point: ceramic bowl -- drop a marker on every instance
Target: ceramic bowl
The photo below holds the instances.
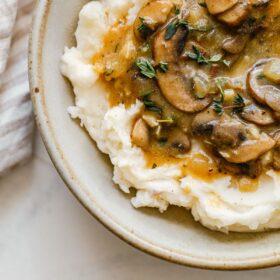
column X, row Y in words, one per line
column 174, row 235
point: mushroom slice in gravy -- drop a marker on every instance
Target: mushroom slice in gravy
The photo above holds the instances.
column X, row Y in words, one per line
column 151, row 17
column 255, row 79
column 236, row 15
column 217, row 7
column 174, row 85
column 236, row 44
column 257, row 115
column 249, row 150
column 140, row 134
column 178, row 142
column 261, row 83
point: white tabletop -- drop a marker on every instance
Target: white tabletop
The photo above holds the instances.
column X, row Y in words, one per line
column 45, row 234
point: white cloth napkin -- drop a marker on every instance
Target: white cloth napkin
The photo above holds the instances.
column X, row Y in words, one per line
column 16, row 121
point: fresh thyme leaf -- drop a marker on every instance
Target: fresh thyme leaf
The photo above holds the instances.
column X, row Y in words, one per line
column 143, row 28
column 218, row 104
column 172, row 28
column 226, row 62
column 177, row 10
column 198, row 56
column 163, row 66
column 146, row 68
column 192, row 56
column 220, row 83
column 150, row 105
column 218, row 107
column 182, row 23
column 215, row 58
column 239, row 103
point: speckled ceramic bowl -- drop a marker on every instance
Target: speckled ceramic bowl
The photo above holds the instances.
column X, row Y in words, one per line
column 172, row 236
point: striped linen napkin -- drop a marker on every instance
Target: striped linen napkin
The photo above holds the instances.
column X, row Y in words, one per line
column 16, row 121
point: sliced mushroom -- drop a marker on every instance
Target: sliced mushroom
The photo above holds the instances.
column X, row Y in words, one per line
column 254, row 80
column 140, row 134
column 178, row 141
column 228, row 133
column 217, row 7
column 252, row 169
column 249, row 150
column 237, row 14
column 174, row 85
column 236, row 44
column 258, row 115
column 272, row 71
column 203, row 124
column 259, row 86
column 272, row 97
column 151, row 17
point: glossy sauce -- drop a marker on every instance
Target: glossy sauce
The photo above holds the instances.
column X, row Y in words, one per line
column 115, row 60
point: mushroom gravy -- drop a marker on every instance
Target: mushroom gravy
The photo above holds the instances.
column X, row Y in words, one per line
column 208, row 75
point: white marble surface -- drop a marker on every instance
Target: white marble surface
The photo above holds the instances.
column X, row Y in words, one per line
column 45, row 234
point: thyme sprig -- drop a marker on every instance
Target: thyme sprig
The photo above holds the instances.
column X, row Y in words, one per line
column 172, row 28
column 146, row 68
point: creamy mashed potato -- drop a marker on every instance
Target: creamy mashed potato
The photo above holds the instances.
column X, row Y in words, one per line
column 218, row 205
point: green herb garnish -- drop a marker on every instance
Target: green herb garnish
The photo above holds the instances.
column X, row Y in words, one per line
column 146, row 68
column 215, row 58
column 172, row 28
column 177, row 10
column 163, row 66
column 150, row 105
column 226, row 62
column 218, row 104
column 143, row 28
column 218, row 107
column 198, row 56
column 238, row 103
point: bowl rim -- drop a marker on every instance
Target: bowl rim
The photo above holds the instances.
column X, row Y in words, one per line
column 35, row 66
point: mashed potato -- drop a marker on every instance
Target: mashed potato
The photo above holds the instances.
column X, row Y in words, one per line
column 218, row 205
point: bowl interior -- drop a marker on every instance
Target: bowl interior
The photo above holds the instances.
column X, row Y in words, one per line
column 173, row 235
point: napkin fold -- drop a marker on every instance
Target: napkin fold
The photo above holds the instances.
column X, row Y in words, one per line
column 16, row 118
